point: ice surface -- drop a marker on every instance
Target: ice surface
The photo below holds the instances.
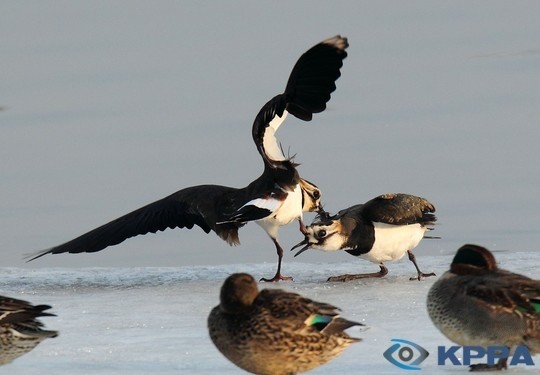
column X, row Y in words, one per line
column 153, row 320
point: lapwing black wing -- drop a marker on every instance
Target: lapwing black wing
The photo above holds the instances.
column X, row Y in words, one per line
column 382, row 229
column 310, row 84
column 400, row 209
column 191, row 206
column 276, row 198
column 20, row 331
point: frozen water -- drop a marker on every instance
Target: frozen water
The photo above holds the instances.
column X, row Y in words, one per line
column 153, row 320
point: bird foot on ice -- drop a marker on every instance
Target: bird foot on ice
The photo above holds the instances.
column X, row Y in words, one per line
column 344, row 278
column 277, row 277
column 421, row 276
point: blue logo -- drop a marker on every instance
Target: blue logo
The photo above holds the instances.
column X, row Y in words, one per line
column 521, row 355
column 405, row 354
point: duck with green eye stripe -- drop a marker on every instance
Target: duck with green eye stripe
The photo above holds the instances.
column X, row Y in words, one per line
column 476, row 303
column 274, row 331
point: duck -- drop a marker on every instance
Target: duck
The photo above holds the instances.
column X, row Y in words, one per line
column 477, row 303
column 273, row 331
column 276, row 198
column 20, row 331
column 384, row 228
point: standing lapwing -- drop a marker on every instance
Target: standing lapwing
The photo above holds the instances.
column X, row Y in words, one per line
column 273, row 331
column 476, row 303
column 274, row 199
column 382, row 229
column 20, row 331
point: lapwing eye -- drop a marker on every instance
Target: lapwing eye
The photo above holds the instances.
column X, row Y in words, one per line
column 316, row 194
column 321, row 233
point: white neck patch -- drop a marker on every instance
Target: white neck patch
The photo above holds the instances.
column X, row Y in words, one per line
column 270, row 143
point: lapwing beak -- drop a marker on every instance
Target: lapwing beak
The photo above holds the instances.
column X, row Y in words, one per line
column 304, row 242
column 322, row 214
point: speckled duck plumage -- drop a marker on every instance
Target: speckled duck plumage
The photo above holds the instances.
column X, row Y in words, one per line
column 477, row 303
column 274, row 331
column 20, row 332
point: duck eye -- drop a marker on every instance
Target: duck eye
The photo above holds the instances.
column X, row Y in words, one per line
column 321, row 233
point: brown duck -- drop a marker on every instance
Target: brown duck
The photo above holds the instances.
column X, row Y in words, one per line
column 477, row 303
column 20, row 332
column 274, row 331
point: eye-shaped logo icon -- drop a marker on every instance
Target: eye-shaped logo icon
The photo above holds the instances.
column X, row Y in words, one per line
column 405, row 354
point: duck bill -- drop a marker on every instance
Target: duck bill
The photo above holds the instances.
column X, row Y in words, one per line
column 307, row 246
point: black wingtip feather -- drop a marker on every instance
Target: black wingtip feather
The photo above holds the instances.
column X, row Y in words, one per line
column 34, row 256
column 183, row 209
column 313, row 77
column 309, row 88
